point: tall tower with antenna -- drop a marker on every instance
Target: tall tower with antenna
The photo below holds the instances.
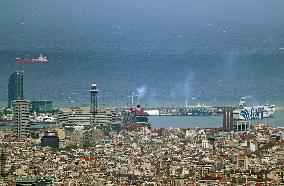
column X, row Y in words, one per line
column 132, row 99
column 132, row 96
column 94, row 102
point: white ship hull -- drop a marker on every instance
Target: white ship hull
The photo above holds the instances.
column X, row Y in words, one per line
column 256, row 112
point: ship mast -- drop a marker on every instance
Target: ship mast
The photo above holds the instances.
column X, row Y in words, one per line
column 132, row 99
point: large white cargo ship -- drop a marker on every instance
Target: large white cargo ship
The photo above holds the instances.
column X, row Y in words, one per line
column 255, row 112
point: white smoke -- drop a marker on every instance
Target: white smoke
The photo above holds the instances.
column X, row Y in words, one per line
column 251, row 100
column 247, row 97
column 141, row 91
column 184, row 90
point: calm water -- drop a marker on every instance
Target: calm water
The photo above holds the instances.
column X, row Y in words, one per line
column 161, row 80
column 165, row 51
column 211, row 121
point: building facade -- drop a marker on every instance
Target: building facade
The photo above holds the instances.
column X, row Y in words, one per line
column 228, row 119
column 21, row 118
column 241, row 126
column 50, row 139
column 41, row 106
column 15, row 87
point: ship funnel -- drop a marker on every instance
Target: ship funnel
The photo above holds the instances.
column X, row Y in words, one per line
column 242, row 102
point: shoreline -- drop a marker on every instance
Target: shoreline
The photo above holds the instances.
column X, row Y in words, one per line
column 280, row 107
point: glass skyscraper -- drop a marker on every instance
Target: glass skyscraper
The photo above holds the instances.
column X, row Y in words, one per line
column 15, row 87
column 41, row 106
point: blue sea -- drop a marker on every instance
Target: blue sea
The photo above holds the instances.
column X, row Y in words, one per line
column 211, row 52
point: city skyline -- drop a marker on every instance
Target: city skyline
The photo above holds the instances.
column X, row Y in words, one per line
column 145, row 93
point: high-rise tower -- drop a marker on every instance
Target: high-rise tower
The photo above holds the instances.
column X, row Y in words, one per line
column 228, row 119
column 21, row 118
column 15, row 87
column 94, row 102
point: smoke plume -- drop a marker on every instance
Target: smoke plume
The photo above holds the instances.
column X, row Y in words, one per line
column 141, row 91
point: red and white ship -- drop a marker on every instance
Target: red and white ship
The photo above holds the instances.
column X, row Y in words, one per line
column 40, row 59
column 136, row 117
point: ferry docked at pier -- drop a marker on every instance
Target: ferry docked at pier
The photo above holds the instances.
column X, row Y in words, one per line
column 135, row 117
column 41, row 119
column 199, row 110
column 255, row 112
column 40, row 59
